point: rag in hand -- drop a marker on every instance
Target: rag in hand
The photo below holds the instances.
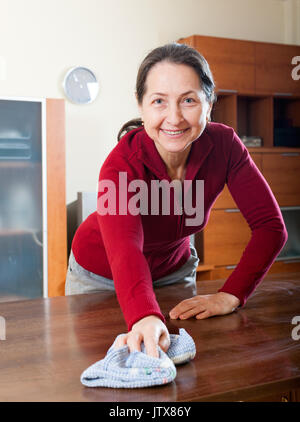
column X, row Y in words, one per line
column 122, row 369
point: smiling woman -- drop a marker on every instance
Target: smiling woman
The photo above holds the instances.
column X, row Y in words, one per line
column 133, row 252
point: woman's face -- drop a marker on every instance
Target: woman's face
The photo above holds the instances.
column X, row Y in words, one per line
column 174, row 107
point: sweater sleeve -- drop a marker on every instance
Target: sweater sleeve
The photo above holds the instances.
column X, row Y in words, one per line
column 259, row 207
column 123, row 239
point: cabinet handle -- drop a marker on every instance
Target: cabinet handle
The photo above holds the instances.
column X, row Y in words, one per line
column 283, row 94
column 230, row 267
column 232, row 210
column 290, row 154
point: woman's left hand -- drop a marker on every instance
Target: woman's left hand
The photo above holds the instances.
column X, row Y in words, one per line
column 204, row 306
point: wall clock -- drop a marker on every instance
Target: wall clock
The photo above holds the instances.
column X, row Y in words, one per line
column 80, row 85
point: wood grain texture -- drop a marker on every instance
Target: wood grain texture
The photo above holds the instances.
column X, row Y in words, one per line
column 246, row 355
column 231, row 61
column 273, row 68
column 282, row 172
column 248, row 66
column 56, row 197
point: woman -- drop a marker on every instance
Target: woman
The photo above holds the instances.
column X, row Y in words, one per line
column 174, row 141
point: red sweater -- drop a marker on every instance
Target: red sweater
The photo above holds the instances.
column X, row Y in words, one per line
column 134, row 250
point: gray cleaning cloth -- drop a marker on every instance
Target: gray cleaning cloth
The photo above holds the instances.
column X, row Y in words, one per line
column 122, row 369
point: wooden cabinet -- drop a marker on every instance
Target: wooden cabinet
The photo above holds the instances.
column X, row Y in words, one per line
column 33, row 237
column 257, row 97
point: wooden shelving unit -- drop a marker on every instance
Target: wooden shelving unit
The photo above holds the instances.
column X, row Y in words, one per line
column 256, row 96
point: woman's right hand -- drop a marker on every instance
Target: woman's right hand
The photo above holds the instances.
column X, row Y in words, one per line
column 150, row 330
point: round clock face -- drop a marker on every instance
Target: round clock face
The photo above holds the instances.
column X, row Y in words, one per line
column 81, row 85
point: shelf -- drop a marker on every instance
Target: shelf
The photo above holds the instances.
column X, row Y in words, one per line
column 255, row 118
column 258, row 115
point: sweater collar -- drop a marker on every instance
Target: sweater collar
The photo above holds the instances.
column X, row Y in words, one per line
column 151, row 158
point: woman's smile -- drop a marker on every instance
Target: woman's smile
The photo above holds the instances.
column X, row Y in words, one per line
column 174, row 133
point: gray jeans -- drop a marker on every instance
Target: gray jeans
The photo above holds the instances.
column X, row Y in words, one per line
column 79, row 280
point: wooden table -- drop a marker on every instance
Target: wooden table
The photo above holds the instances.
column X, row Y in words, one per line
column 249, row 355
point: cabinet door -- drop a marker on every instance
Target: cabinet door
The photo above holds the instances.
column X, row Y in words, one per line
column 274, row 68
column 225, row 237
column 232, row 62
column 225, row 199
column 282, row 172
column 22, row 226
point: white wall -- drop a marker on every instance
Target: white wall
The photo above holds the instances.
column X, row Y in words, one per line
column 41, row 39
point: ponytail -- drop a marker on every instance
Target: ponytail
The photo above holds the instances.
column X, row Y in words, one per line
column 127, row 127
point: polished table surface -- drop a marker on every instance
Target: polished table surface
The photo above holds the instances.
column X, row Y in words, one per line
column 241, row 356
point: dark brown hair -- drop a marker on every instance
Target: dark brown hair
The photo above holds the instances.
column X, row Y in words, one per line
column 173, row 53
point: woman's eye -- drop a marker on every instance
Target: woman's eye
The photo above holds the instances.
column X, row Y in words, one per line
column 189, row 100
